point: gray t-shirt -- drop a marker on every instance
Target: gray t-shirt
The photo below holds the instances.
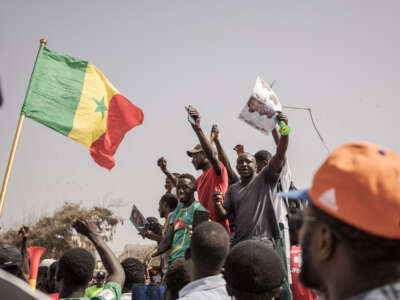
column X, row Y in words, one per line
column 251, row 207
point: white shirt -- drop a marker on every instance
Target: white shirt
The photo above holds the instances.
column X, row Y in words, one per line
column 211, row 287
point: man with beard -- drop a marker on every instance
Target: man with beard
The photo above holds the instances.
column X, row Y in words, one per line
column 215, row 175
column 351, row 230
column 177, row 238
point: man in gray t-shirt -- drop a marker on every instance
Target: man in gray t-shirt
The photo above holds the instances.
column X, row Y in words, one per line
column 249, row 202
column 251, row 207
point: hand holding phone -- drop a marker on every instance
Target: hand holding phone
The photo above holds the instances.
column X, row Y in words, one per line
column 192, row 118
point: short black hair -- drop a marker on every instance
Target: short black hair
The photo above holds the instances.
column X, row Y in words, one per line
column 209, row 245
column 134, row 272
column 170, row 200
column 190, row 177
column 254, row 267
column 263, row 155
column 76, row 266
column 177, row 277
column 371, row 254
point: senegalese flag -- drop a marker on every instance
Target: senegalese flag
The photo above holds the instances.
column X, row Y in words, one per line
column 74, row 98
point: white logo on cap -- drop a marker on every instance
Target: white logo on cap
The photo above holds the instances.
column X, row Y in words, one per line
column 328, row 199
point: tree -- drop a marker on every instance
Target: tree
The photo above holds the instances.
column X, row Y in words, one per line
column 56, row 234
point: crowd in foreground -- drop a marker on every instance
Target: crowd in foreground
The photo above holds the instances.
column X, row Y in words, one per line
column 251, row 234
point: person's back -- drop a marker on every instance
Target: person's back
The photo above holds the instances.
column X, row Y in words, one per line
column 253, row 271
column 209, row 247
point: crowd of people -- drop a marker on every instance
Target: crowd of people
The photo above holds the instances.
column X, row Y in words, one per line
column 249, row 234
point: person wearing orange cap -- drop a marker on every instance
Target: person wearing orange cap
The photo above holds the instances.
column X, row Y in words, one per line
column 351, row 230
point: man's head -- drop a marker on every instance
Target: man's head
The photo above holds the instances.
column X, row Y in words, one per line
column 176, row 278
column 353, row 223
column 209, row 247
column 263, row 158
column 253, row 270
column 199, row 158
column 167, row 204
column 185, row 188
column 253, row 104
column 75, row 268
column 134, row 273
column 10, row 259
column 246, row 165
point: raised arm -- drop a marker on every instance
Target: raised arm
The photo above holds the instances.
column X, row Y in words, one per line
column 222, row 156
column 279, row 158
column 24, row 233
column 162, row 163
column 115, row 271
column 166, row 242
column 205, row 144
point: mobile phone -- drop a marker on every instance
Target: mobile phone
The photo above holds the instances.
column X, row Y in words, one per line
column 191, row 119
column 200, row 217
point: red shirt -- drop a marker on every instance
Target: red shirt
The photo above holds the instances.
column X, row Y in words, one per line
column 54, row 296
column 208, row 183
column 299, row 291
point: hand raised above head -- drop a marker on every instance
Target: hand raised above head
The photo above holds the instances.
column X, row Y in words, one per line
column 85, row 227
column 193, row 113
column 162, row 163
column 239, row 148
column 24, row 232
column 282, row 117
column 215, row 131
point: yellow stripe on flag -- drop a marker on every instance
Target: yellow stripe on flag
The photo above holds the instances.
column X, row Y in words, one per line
column 90, row 119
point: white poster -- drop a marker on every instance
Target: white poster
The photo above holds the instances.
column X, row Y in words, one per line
column 260, row 110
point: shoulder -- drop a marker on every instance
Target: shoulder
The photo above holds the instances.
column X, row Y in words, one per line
column 198, row 206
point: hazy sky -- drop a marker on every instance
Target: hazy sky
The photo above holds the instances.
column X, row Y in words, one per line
column 341, row 58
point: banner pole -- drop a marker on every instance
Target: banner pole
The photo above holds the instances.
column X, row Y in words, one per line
column 6, row 179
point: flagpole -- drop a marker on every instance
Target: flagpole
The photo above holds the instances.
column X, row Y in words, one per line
column 6, row 179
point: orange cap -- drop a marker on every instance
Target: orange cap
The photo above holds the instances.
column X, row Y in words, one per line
column 359, row 184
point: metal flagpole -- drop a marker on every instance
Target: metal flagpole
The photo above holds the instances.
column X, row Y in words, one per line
column 6, row 179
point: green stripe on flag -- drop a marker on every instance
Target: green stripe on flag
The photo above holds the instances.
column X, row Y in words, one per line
column 55, row 90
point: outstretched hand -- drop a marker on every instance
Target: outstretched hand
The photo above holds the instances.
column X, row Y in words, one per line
column 85, row 228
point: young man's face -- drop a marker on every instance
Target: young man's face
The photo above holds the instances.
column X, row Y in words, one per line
column 246, row 165
column 185, row 190
column 199, row 159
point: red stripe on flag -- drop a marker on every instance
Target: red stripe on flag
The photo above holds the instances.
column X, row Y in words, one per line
column 122, row 116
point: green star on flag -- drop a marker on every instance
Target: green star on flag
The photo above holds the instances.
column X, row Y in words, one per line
column 101, row 107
